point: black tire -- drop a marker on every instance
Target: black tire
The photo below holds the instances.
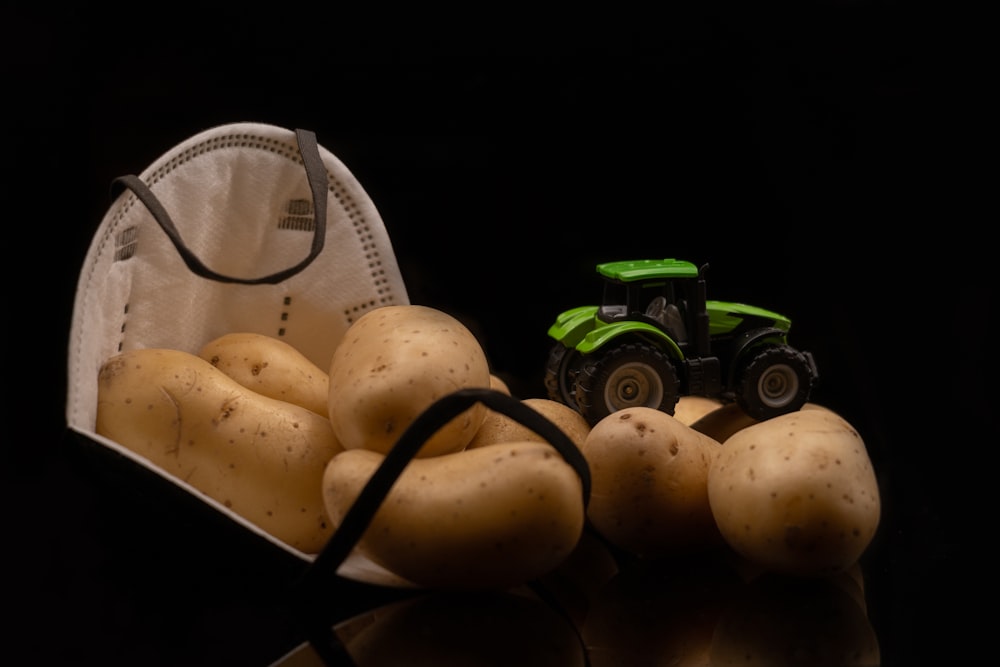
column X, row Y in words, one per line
column 630, row 375
column 777, row 380
column 561, row 371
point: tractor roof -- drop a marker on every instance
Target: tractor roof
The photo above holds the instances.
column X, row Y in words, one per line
column 647, row 269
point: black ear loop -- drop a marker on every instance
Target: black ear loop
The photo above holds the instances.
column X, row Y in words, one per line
column 318, row 185
column 307, row 592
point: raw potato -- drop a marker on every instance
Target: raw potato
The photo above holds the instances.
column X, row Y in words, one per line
column 720, row 424
column 261, row 457
column 690, row 409
column 488, row 518
column 716, row 419
column 797, row 493
column 649, row 476
column 498, row 427
column 392, row 364
column 270, row 366
column 498, row 383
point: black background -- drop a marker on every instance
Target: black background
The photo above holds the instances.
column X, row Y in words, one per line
column 807, row 154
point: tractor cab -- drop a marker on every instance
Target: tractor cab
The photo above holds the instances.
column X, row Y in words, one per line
column 663, row 293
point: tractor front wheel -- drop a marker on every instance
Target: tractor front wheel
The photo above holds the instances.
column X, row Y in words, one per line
column 629, row 375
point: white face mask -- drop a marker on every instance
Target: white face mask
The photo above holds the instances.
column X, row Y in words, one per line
column 251, row 234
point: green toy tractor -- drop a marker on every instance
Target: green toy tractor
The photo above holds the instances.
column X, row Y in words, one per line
column 656, row 337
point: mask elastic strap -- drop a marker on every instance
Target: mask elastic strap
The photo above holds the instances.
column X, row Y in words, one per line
column 318, row 184
column 311, row 592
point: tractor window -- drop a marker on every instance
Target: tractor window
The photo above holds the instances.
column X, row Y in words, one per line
column 615, row 302
column 661, row 307
column 650, row 291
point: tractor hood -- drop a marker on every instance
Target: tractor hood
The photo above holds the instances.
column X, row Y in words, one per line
column 728, row 317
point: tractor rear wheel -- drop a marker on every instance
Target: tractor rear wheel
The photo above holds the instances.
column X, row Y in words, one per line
column 776, row 380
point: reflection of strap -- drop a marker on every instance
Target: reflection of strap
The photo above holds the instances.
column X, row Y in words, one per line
column 318, row 184
column 359, row 515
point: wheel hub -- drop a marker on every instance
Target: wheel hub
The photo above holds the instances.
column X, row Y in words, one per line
column 778, row 385
column 633, row 385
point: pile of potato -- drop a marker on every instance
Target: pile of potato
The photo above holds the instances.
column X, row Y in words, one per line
column 795, row 494
column 253, row 424
column 486, row 503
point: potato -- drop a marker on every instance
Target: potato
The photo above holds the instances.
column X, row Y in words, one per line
column 796, row 494
column 487, row 518
column 816, row 406
column 392, row 364
column 720, row 424
column 498, row 427
column 691, row 408
column 498, row 383
column 649, row 475
column 260, row 457
column 270, row 366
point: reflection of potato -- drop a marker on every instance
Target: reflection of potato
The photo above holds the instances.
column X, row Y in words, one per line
column 578, row 579
column 782, row 621
column 482, row 629
column 659, row 612
column 852, row 580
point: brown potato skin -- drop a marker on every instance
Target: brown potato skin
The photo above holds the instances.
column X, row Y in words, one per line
column 796, row 494
column 690, row 408
column 260, row 457
column 498, row 427
column 271, row 367
column 392, row 364
column 487, row 518
column 720, row 424
column 499, row 384
column 649, row 475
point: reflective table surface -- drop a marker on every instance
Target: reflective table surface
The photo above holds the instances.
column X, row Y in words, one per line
column 795, row 153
